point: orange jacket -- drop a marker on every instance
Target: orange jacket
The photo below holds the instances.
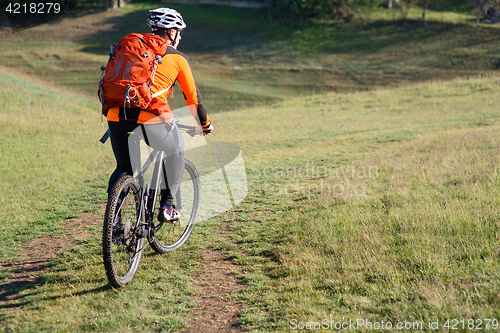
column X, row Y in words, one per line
column 174, row 67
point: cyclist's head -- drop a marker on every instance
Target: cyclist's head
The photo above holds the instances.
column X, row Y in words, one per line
column 165, row 20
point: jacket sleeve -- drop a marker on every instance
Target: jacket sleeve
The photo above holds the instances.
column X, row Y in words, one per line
column 191, row 93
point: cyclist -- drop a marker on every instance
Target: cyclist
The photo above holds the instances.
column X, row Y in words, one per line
column 158, row 131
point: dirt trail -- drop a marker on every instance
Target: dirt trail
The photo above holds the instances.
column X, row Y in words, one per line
column 216, row 312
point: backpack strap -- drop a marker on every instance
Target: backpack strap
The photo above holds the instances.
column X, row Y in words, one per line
column 158, row 93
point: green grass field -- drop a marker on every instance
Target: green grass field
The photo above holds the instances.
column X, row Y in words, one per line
column 372, row 161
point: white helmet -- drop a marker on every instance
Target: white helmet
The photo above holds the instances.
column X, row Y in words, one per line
column 165, row 18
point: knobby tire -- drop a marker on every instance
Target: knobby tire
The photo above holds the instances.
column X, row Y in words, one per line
column 122, row 248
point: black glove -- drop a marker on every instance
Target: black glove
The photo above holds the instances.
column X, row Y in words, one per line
column 208, row 128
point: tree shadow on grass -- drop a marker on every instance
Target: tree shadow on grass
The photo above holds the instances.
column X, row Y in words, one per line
column 18, row 277
column 28, row 275
column 21, row 278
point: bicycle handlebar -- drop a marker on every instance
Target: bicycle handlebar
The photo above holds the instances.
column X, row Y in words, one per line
column 191, row 130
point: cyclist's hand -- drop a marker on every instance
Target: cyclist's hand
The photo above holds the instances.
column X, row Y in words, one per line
column 207, row 129
column 166, row 117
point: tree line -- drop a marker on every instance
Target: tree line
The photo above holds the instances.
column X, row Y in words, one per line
column 103, row 4
column 297, row 11
column 300, row 10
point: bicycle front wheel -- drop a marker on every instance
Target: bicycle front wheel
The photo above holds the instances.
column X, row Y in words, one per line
column 121, row 241
column 168, row 236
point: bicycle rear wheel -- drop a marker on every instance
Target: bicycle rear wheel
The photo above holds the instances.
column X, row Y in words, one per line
column 122, row 248
column 168, row 236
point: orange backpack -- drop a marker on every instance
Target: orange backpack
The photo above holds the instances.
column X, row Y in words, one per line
column 129, row 74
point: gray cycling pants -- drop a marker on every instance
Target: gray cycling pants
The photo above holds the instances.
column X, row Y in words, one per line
column 124, row 140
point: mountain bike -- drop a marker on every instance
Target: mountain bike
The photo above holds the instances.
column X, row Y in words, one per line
column 130, row 217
